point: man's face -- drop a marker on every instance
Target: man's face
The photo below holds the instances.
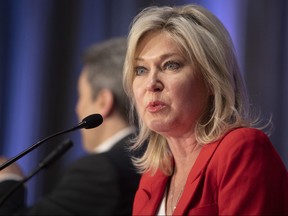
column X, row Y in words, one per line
column 86, row 106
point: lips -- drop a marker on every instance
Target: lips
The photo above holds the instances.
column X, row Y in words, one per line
column 155, row 106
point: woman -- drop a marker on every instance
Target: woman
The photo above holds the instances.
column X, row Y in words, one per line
column 204, row 153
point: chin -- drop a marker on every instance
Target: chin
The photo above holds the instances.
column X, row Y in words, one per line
column 159, row 127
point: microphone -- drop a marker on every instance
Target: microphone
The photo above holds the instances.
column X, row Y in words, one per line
column 47, row 161
column 88, row 122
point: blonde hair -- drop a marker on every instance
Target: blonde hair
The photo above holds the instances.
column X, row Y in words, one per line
column 206, row 42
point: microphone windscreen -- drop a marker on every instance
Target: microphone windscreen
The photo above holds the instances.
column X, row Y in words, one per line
column 92, row 121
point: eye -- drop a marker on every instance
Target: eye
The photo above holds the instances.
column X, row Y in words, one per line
column 171, row 65
column 139, row 70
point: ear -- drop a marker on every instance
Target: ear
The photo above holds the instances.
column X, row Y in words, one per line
column 105, row 101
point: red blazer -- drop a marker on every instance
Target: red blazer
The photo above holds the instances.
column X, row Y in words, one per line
column 241, row 174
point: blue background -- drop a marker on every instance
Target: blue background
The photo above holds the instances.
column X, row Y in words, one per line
column 41, row 42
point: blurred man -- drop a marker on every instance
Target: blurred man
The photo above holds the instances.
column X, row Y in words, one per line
column 104, row 181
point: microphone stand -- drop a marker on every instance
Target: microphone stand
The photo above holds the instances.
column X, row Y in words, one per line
column 15, row 158
column 48, row 160
column 91, row 121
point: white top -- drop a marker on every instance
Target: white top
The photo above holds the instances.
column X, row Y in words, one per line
column 109, row 143
column 161, row 210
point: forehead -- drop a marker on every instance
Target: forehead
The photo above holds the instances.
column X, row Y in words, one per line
column 157, row 43
column 83, row 78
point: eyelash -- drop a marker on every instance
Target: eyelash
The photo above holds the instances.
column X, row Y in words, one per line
column 140, row 68
column 175, row 66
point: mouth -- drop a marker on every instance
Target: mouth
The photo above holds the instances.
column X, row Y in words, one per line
column 155, row 106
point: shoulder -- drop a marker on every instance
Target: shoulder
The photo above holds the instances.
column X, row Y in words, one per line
column 89, row 159
column 120, row 155
column 118, row 152
column 245, row 134
column 248, row 138
column 92, row 165
column 116, row 161
column 247, row 147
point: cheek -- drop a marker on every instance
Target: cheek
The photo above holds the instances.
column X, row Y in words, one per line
column 198, row 101
column 82, row 106
column 138, row 97
column 137, row 93
column 190, row 95
column 79, row 107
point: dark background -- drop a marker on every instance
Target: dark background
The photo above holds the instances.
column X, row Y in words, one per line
column 41, row 42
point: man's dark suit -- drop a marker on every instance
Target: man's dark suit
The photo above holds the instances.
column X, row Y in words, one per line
column 98, row 184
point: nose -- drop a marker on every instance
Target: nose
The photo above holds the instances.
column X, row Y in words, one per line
column 154, row 83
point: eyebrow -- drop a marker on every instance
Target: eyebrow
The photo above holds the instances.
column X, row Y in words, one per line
column 164, row 56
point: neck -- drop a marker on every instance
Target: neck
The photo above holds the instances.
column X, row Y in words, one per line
column 182, row 168
column 111, row 125
column 176, row 188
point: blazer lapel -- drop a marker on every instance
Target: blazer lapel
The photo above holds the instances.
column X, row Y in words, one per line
column 151, row 193
column 194, row 177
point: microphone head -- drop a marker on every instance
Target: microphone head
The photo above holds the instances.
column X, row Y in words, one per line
column 92, row 121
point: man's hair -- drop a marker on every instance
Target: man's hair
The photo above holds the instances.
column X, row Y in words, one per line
column 104, row 63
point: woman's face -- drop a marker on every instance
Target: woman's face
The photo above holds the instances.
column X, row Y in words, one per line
column 170, row 95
